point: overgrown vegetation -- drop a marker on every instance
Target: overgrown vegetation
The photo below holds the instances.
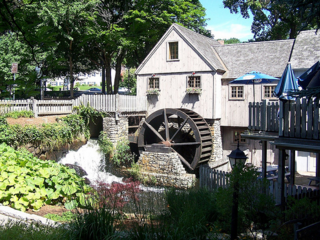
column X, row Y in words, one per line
column 19, row 114
column 105, row 144
column 122, row 154
column 49, row 135
column 28, row 182
column 88, row 113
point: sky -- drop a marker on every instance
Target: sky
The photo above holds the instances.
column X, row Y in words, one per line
column 225, row 25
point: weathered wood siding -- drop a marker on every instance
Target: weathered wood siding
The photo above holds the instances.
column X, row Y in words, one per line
column 235, row 112
column 189, row 60
column 173, row 81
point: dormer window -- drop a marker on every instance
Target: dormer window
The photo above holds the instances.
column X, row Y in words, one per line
column 173, row 51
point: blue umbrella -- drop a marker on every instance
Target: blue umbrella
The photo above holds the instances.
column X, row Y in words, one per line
column 254, row 77
column 310, row 78
column 287, row 83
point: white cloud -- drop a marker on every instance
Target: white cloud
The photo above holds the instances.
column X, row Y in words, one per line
column 231, row 30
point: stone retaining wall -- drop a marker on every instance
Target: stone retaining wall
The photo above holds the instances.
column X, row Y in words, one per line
column 116, row 128
column 165, row 169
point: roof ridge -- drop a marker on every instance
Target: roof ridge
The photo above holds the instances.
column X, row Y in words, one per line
column 246, row 43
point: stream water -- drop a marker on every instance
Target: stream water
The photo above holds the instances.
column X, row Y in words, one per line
column 92, row 160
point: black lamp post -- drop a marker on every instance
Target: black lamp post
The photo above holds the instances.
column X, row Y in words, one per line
column 236, row 158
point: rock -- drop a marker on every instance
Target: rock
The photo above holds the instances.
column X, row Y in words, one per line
column 79, row 170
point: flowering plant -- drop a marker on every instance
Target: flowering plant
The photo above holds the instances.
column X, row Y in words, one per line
column 154, row 91
column 192, row 90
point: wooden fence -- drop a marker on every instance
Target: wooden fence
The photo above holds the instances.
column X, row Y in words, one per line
column 213, row 179
column 299, row 119
column 263, row 116
column 107, row 103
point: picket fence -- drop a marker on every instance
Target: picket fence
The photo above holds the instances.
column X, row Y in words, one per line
column 108, row 103
column 213, row 179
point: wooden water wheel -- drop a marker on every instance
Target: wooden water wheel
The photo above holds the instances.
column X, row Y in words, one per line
column 177, row 130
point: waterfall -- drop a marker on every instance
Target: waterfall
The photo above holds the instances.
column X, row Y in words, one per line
column 92, row 160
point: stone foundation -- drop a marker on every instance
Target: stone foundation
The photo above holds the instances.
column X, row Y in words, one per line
column 216, row 160
column 165, row 169
column 116, row 128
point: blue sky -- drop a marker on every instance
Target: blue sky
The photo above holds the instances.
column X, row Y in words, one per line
column 225, row 25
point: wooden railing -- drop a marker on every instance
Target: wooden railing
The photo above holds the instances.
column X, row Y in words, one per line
column 263, row 116
column 291, row 119
column 107, row 103
column 299, row 119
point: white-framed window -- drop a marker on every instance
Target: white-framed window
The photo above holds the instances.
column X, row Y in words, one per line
column 194, row 82
column 237, row 137
column 173, row 50
column 236, row 92
column 268, row 92
column 153, row 83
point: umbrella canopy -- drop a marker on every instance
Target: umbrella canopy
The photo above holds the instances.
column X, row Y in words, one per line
column 287, row 83
column 254, row 77
column 310, row 78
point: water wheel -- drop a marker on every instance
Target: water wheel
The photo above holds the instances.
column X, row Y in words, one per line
column 177, row 130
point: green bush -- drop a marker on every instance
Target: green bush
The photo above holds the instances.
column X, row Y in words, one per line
column 88, row 113
column 3, row 120
column 20, row 114
column 123, row 155
column 28, row 182
column 105, row 144
column 49, row 135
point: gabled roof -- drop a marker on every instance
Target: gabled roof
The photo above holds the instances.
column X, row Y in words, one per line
column 199, row 43
column 306, row 51
column 269, row 57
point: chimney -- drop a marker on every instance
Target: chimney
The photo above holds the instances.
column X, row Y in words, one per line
column 221, row 42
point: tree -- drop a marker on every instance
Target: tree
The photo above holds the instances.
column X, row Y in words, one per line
column 14, row 51
column 272, row 20
column 129, row 80
column 231, row 40
column 308, row 10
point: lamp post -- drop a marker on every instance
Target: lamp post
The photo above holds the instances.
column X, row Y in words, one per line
column 237, row 159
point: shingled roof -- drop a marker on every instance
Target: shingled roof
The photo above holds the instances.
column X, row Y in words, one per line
column 203, row 44
column 306, row 51
column 266, row 57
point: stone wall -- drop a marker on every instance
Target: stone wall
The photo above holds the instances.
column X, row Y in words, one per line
column 165, row 169
column 116, row 128
column 216, row 160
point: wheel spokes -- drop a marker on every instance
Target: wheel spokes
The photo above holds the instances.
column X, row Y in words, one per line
column 181, row 126
column 154, row 131
column 183, row 160
column 185, row 144
column 166, row 125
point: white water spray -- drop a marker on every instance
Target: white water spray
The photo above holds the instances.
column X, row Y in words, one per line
column 92, row 160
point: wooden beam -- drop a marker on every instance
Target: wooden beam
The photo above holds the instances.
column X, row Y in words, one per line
column 281, row 174
column 264, row 159
column 292, row 166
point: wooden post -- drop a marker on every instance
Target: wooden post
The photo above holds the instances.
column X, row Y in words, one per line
column 264, row 159
column 34, row 107
column 264, row 115
column 281, row 174
column 292, row 166
column 318, row 165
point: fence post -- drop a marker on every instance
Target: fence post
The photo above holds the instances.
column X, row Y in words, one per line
column 264, row 115
column 34, row 106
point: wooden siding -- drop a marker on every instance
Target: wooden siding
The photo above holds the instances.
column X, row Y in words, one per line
column 189, row 60
column 173, row 93
column 235, row 112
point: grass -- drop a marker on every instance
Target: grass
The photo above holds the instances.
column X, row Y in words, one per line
column 81, row 87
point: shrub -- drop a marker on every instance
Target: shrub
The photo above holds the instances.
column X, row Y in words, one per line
column 20, row 114
column 28, row 182
column 3, row 120
column 105, row 144
column 123, row 155
column 88, row 113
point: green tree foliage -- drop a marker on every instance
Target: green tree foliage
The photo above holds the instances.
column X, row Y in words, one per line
column 231, row 40
column 272, row 20
column 129, row 81
column 14, row 51
column 82, row 35
column 308, row 10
